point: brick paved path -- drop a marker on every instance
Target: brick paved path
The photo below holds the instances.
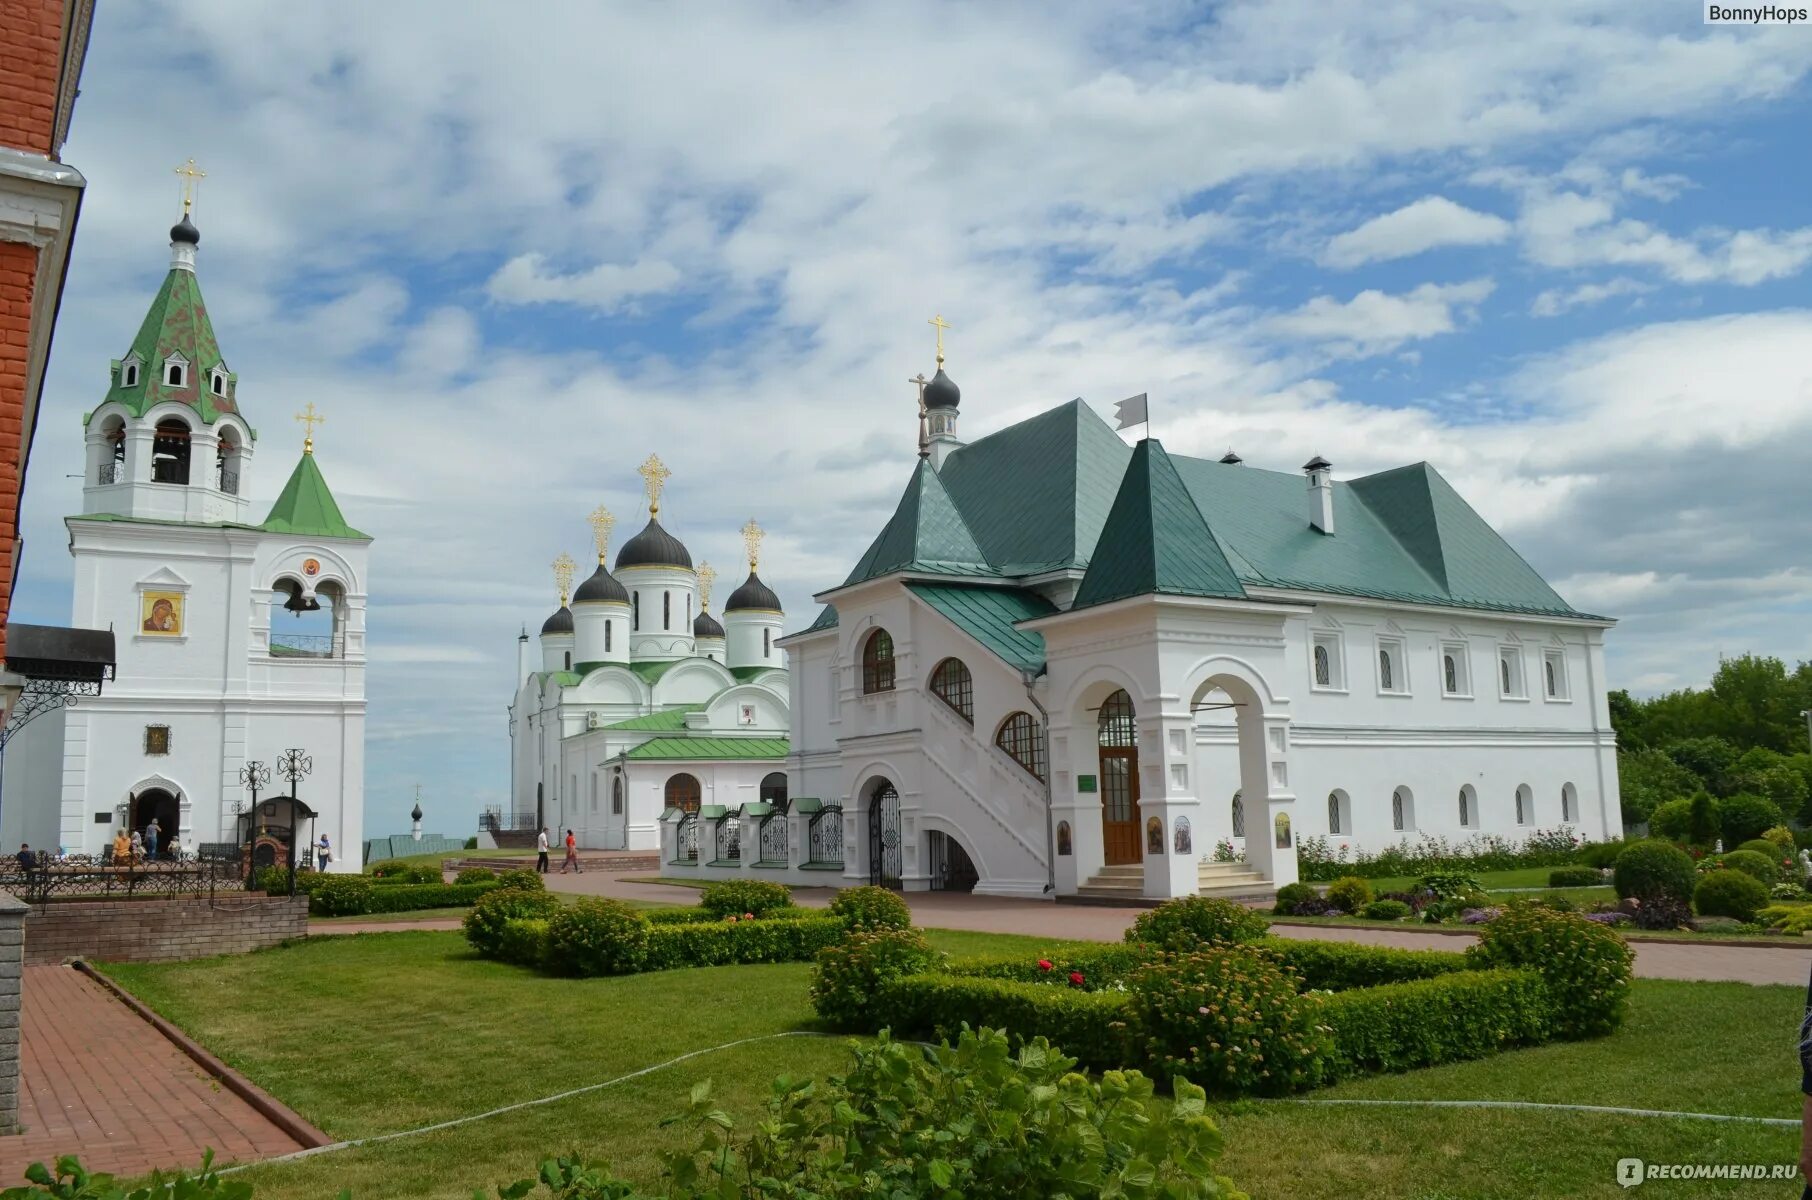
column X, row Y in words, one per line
column 97, row 1080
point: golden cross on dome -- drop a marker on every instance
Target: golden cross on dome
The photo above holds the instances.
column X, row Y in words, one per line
column 751, row 538
column 707, row 575
column 941, row 326
column 191, row 175
column 601, row 525
column 921, row 381
column 654, row 476
column 563, row 575
column 309, row 418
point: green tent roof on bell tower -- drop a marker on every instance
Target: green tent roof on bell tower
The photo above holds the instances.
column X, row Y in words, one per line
column 306, row 506
column 176, row 324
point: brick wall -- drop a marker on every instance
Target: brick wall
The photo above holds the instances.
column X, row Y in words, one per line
column 31, row 63
column 158, row 930
column 18, row 273
column 12, row 939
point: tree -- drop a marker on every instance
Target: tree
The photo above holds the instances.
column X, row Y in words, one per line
column 1629, row 719
column 1709, row 758
column 1704, row 824
column 1649, row 778
column 1754, row 703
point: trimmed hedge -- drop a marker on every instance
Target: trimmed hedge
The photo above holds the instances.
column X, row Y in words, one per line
column 1386, row 910
column 1342, row 966
column 1570, row 877
column 1098, row 965
column 1422, row 1022
column 408, row 897
column 871, row 907
column 1229, row 1018
column 1349, row 893
column 1730, row 893
column 340, row 896
column 1190, row 922
column 697, row 916
column 848, row 980
column 596, row 937
column 1586, row 966
column 1089, row 1026
column 485, row 924
column 1292, row 894
column 723, row 943
column 523, row 942
column 739, row 897
column 1654, row 870
column 1757, row 866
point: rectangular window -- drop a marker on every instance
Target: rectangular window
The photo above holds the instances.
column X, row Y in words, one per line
column 1554, row 674
column 636, row 613
column 1510, row 673
column 157, row 739
column 1393, row 667
column 666, row 610
column 767, row 642
column 1326, row 663
column 608, row 627
column 1456, row 670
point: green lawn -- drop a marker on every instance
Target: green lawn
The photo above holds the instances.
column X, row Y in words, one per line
column 375, row 1033
column 1521, row 877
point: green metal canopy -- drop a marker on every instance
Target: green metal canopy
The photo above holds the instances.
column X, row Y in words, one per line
column 306, row 506
column 690, row 748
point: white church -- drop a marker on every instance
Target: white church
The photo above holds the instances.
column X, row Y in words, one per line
column 1070, row 666
column 642, row 702
column 237, row 641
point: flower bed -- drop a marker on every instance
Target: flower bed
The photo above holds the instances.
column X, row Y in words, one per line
column 1321, row 860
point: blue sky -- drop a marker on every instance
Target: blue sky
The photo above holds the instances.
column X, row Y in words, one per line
column 1559, row 250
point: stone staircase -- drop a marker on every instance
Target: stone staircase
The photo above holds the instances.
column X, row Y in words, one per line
column 1125, row 884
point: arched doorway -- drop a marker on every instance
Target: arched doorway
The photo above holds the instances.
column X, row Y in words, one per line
column 1117, row 736
column 160, row 805
column 684, row 793
column 773, row 789
column 884, row 857
column 951, row 868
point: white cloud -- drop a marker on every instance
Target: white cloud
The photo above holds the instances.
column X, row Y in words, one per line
column 1555, row 301
column 1427, row 224
column 609, row 287
column 1373, row 322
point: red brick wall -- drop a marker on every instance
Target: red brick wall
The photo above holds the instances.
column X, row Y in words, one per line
column 18, row 271
column 161, row 930
column 31, row 61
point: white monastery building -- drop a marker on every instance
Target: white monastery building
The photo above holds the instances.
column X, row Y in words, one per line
column 206, row 606
column 640, row 701
column 1068, row 665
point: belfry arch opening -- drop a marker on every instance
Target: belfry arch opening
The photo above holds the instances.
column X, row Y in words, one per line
column 170, row 451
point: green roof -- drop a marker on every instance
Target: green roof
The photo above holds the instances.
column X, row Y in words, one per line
column 988, row 614
column 305, row 506
column 1155, row 541
column 652, row 671
column 744, row 674
column 669, row 719
column 925, row 534
column 177, row 323
column 675, row 748
column 826, row 619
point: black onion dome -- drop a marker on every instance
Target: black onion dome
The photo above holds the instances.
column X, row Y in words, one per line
column 416, row 813
column 753, row 594
column 560, row 622
column 705, row 626
column 185, row 231
column 653, row 547
column 601, row 588
column 942, row 391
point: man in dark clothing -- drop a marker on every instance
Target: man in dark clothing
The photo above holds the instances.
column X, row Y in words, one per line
column 27, row 860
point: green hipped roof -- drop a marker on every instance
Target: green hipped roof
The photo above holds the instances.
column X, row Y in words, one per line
column 673, row 748
column 1155, row 541
column 744, row 674
column 826, row 619
column 926, row 533
column 669, row 719
column 988, row 614
column 305, row 506
column 177, row 323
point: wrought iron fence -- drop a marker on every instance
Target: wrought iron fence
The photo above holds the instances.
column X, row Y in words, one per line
column 773, row 838
column 495, row 820
column 688, row 839
column 80, row 878
column 729, row 839
column 824, row 837
column 302, row 645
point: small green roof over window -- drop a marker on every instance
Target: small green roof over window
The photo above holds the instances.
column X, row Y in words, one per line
column 988, row 614
column 305, row 506
column 690, row 748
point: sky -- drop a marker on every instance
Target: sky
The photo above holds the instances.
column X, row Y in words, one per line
column 1559, row 250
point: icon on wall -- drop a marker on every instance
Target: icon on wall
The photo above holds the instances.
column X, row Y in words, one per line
column 1283, row 831
column 1154, row 836
column 1183, row 843
column 1063, row 839
column 745, row 714
column 161, row 613
column 311, row 567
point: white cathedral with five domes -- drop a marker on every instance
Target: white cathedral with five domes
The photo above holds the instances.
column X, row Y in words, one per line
column 641, row 702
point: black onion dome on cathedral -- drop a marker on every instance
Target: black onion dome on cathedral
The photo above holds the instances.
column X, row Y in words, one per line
column 601, row 588
column 942, row 391
column 753, row 594
column 560, row 622
column 185, row 231
column 704, row 625
column 653, row 547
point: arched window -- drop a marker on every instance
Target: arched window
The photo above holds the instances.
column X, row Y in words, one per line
column 1553, row 678
column 773, row 789
column 683, row 793
column 1569, row 803
column 1239, row 815
column 951, row 683
column 1324, row 671
column 1450, row 674
column 877, row 663
column 217, row 381
column 1117, row 726
column 129, row 373
column 1400, row 815
column 1525, row 804
column 1385, row 678
column 569, row 660
column 1468, row 808
column 1338, row 820
column 1020, row 736
column 616, row 796
column 1503, row 667
column 609, row 627
column 170, row 452
column 666, row 610
column 175, row 371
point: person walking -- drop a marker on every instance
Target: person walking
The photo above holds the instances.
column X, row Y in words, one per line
column 572, row 855
column 137, row 847
column 541, row 851
column 323, row 853
column 151, row 832
column 27, row 860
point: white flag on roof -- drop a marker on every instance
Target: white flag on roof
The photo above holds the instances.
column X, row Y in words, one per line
column 1131, row 411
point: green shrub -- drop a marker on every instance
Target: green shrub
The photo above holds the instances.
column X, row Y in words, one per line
column 1089, row 1025
column 1654, row 870
column 1781, row 838
column 1385, row 910
column 735, row 897
column 1586, row 966
column 496, row 908
column 846, row 984
column 522, row 880
column 524, row 942
column 1292, row 894
column 1450, row 885
column 1756, row 866
column 476, row 875
column 1766, row 848
column 1349, row 894
column 1599, row 855
column 1098, row 965
column 1743, row 816
column 1704, row 819
column 341, row 896
column 597, row 937
column 870, row 907
column 1672, row 821
column 388, row 868
column 411, row 897
column 471, row 843
column 1337, row 966
column 1191, row 922
column 274, row 881
column 719, row 943
column 1228, row 1018
column 1401, row 1026
column 679, row 916
column 1568, row 877
column 1730, row 893
column 394, row 871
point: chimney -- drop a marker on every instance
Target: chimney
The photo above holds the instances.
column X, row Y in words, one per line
column 1321, row 493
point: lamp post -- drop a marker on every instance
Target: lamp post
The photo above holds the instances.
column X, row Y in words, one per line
column 253, row 776
column 292, row 765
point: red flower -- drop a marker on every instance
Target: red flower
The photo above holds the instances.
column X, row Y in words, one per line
column 1076, row 978
column 748, row 916
column 1044, row 964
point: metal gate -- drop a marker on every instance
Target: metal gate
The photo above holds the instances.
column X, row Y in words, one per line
column 884, row 836
column 951, row 868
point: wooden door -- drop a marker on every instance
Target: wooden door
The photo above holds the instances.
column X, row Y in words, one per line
column 1120, row 805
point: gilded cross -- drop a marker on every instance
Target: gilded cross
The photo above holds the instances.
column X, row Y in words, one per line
column 751, row 539
column 707, row 575
column 309, row 418
column 921, row 381
column 941, row 326
column 654, row 476
column 601, row 525
column 191, row 175
column 563, row 575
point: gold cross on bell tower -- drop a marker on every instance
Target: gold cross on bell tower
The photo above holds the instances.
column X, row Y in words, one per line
column 309, row 418
column 654, row 477
column 191, row 175
column 941, row 325
column 751, row 540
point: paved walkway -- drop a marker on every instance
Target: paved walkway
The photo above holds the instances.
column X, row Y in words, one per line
column 993, row 914
column 97, row 1080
